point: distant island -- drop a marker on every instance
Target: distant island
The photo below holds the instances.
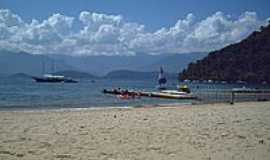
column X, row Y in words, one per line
column 19, row 75
column 67, row 73
column 117, row 74
column 133, row 75
column 76, row 74
column 248, row 60
column 12, row 62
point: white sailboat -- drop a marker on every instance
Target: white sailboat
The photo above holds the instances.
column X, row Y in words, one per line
column 52, row 78
column 161, row 80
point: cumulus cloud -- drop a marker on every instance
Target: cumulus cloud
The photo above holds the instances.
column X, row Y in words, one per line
column 103, row 34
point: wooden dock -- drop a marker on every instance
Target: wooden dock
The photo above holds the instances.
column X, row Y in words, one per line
column 149, row 94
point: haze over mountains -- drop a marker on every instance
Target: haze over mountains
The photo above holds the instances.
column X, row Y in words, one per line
column 11, row 63
column 101, row 65
column 21, row 62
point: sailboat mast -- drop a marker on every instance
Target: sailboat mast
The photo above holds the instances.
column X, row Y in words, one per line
column 53, row 67
column 43, row 67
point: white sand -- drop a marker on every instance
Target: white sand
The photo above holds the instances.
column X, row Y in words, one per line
column 203, row 132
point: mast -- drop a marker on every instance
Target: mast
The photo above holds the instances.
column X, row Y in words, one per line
column 53, row 70
column 43, row 67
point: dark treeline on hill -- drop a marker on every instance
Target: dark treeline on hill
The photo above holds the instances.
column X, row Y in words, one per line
column 248, row 60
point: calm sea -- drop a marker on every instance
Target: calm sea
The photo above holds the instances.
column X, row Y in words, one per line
column 25, row 94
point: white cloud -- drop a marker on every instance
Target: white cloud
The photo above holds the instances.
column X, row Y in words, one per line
column 219, row 30
column 10, row 19
column 112, row 35
column 95, row 19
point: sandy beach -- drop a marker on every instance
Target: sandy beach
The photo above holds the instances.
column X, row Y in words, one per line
column 201, row 132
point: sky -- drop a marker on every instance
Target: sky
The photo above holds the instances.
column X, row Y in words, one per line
column 126, row 27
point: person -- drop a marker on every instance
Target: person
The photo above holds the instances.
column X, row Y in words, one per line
column 185, row 88
column 115, row 91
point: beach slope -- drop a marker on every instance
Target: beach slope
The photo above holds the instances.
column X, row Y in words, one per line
column 203, row 132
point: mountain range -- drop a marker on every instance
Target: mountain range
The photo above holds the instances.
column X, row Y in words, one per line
column 127, row 74
column 21, row 62
column 101, row 65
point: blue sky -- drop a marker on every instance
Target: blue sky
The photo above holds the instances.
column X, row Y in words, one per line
column 153, row 13
column 125, row 27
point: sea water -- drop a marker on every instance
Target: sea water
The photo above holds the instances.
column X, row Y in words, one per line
column 25, row 94
column 22, row 93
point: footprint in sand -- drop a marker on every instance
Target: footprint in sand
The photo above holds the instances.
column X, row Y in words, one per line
column 63, row 156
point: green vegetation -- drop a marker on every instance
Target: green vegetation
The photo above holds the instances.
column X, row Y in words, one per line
column 248, row 60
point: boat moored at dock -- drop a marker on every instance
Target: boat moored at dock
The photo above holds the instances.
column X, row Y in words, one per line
column 165, row 94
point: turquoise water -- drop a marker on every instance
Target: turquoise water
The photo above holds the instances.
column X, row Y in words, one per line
column 26, row 94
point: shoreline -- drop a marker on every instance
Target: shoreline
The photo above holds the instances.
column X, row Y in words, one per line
column 108, row 108
column 64, row 109
column 105, row 108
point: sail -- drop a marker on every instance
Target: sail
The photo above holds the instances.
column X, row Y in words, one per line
column 161, row 77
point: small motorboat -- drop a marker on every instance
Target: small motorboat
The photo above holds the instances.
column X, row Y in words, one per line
column 174, row 92
column 166, row 94
column 170, row 95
